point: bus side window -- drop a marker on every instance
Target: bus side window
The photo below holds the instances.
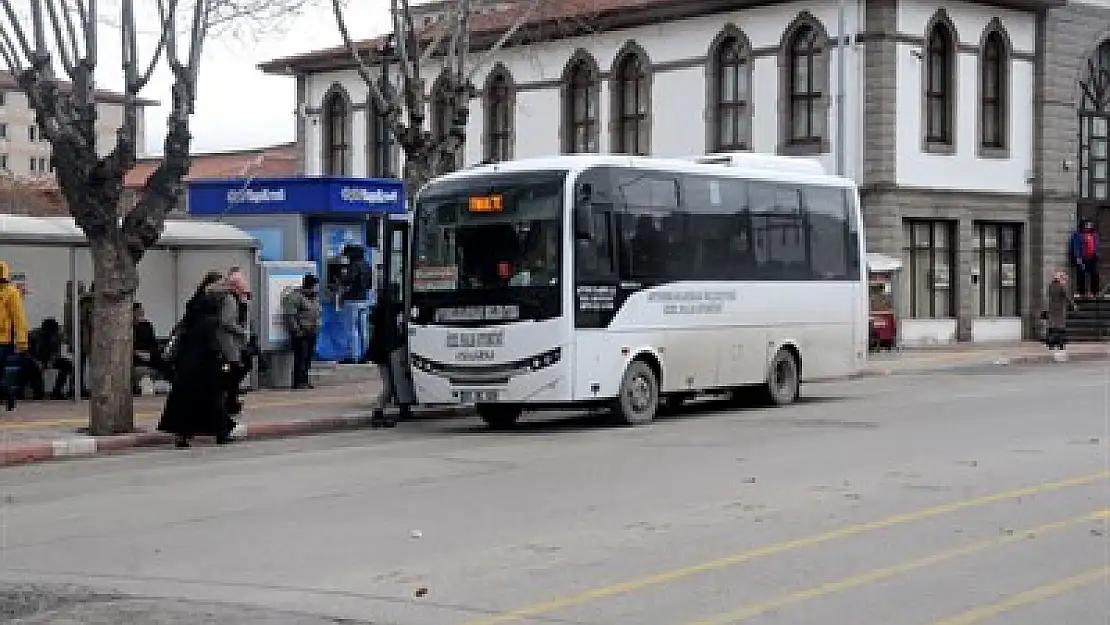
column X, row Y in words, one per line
column 830, row 236
column 594, row 256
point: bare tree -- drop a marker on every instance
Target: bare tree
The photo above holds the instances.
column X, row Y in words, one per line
column 427, row 153
column 65, row 35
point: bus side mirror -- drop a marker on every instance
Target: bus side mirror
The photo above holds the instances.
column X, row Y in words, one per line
column 583, row 222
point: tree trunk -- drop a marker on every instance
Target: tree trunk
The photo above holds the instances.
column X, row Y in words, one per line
column 115, row 277
column 418, row 170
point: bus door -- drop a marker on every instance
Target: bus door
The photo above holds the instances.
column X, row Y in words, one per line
column 395, row 272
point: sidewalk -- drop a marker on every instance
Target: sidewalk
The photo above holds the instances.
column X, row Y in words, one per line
column 926, row 359
column 50, row 430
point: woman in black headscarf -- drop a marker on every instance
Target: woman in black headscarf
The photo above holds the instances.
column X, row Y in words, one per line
column 196, row 405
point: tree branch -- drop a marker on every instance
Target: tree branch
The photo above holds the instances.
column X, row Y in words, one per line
column 504, row 39
column 8, row 52
column 64, row 53
column 70, row 28
column 165, row 18
column 143, row 224
column 89, row 29
column 17, row 31
column 404, row 39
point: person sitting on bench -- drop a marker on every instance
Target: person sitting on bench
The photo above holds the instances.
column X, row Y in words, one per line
column 44, row 353
column 147, row 352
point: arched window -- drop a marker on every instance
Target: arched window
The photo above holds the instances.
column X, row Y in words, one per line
column 993, row 67
column 580, row 135
column 939, row 63
column 337, row 134
column 805, row 95
column 731, row 96
column 443, row 117
column 632, row 113
column 499, row 117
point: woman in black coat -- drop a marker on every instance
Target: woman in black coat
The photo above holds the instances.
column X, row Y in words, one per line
column 196, row 405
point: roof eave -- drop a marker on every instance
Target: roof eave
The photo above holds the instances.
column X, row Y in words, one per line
column 338, row 59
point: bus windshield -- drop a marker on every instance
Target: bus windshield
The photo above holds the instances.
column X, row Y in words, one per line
column 491, row 233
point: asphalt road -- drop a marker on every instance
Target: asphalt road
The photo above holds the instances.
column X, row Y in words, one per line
column 975, row 496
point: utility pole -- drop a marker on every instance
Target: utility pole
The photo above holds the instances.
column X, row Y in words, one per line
column 841, row 49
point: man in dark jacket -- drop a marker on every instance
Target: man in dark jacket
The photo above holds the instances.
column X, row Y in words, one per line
column 146, row 351
column 1083, row 248
column 302, row 318
column 386, row 338
column 45, row 352
column 356, row 283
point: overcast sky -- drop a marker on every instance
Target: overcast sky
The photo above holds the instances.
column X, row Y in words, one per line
column 237, row 105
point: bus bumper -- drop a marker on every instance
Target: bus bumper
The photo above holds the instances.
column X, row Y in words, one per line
column 550, row 384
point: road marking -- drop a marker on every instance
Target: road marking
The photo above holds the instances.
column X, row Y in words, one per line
column 147, row 416
column 908, row 566
column 663, row 577
column 1028, row 597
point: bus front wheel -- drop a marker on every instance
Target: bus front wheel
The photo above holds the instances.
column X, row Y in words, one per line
column 499, row 416
column 638, row 400
column 783, row 379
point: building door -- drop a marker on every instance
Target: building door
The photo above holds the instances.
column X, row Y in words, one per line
column 1094, row 144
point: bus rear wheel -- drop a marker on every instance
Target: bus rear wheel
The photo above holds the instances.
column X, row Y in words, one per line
column 499, row 416
column 638, row 399
column 783, row 379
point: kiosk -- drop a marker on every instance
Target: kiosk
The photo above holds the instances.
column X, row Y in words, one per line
column 307, row 219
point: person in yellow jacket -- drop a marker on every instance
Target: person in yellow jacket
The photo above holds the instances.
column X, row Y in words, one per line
column 13, row 320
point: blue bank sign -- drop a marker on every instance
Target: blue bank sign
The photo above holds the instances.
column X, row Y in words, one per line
column 310, row 196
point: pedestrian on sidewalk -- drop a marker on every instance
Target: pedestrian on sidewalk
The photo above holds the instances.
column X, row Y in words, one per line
column 196, row 404
column 303, row 315
column 1059, row 304
column 239, row 333
column 13, row 335
column 385, row 338
column 1083, row 248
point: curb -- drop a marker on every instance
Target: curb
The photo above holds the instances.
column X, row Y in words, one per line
column 85, row 446
column 1025, row 359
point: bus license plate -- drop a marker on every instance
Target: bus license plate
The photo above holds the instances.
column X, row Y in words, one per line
column 474, row 397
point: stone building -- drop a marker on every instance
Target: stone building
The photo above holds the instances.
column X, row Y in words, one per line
column 961, row 120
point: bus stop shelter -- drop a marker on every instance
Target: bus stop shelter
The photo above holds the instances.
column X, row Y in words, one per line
column 48, row 255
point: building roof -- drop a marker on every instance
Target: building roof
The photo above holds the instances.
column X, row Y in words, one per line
column 8, row 83
column 32, row 197
column 176, row 233
column 551, row 19
column 276, row 161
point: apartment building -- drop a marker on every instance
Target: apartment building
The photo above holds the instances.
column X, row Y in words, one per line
column 25, row 153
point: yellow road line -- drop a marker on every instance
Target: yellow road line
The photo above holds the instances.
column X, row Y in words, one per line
column 146, row 416
column 1029, row 597
column 908, row 566
column 663, row 577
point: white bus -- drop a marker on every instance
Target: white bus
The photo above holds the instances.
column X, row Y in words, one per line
column 634, row 283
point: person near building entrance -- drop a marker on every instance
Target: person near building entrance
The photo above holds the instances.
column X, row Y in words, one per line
column 1083, row 250
column 1056, row 317
column 302, row 318
column 356, row 283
